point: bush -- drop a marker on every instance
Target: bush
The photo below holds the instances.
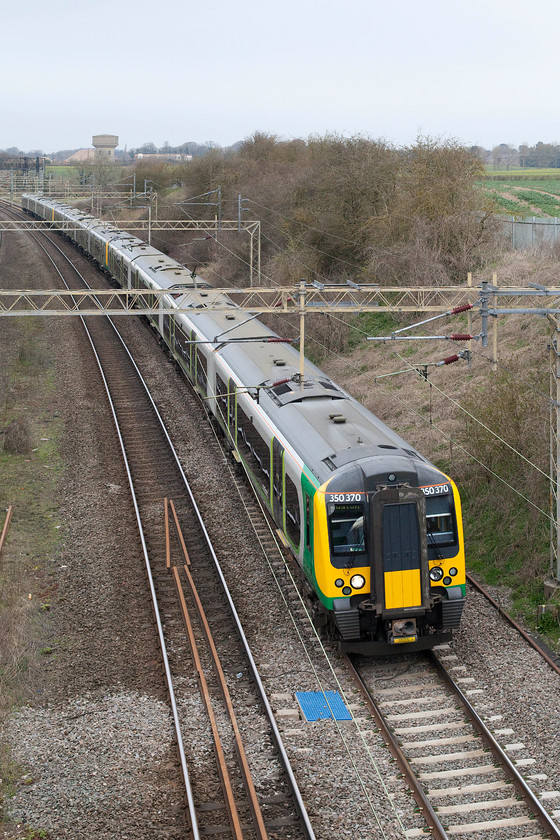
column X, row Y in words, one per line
column 17, row 437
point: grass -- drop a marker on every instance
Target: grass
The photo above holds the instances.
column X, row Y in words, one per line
column 70, row 173
column 547, row 203
column 29, row 483
column 370, row 323
column 506, row 560
column 524, row 192
column 518, row 174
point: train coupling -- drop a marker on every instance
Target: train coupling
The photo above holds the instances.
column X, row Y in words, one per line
column 402, row 631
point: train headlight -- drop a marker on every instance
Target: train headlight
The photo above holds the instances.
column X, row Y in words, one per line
column 357, row 581
column 447, row 581
column 339, row 582
column 347, row 590
column 453, row 571
column 436, row 573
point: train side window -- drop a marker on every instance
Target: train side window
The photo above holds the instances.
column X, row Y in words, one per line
column 202, row 370
column 293, row 526
column 277, row 473
column 232, row 400
column 254, row 449
column 221, row 399
column 192, row 348
column 243, row 423
column 182, row 347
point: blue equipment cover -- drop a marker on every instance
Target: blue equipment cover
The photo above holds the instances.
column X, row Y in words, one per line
column 318, row 705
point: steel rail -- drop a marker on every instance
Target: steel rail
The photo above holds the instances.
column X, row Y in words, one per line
column 227, row 789
column 292, row 783
column 543, row 818
column 169, row 680
column 432, row 820
column 298, row 799
column 242, row 757
column 7, row 521
column 527, row 636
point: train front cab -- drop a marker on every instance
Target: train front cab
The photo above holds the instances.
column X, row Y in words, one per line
column 389, row 565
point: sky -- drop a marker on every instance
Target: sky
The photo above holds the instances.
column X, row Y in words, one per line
column 481, row 72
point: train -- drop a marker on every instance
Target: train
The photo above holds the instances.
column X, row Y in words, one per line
column 374, row 527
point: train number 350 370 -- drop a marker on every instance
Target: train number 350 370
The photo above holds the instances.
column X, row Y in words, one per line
column 436, row 489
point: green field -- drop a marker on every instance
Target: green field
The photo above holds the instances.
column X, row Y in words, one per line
column 524, row 192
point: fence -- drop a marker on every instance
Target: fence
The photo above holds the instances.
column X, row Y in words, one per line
column 531, row 231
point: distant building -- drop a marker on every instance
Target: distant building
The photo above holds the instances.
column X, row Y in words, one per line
column 82, row 156
column 105, row 145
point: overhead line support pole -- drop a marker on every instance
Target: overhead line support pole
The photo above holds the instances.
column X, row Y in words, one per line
column 555, row 450
column 301, row 332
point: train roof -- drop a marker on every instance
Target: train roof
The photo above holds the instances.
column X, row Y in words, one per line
column 328, row 429
column 326, row 426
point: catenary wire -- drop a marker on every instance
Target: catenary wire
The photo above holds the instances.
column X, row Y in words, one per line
column 402, row 401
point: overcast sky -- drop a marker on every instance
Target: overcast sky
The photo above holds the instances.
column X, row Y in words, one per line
column 481, row 71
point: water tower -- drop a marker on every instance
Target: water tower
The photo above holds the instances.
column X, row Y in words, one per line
column 105, row 145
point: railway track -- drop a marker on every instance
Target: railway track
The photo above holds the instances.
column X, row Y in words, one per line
column 464, row 781
column 201, row 637
column 214, row 817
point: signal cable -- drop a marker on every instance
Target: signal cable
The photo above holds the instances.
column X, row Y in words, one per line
column 466, row 411
column 313, row 670
column 402, row 401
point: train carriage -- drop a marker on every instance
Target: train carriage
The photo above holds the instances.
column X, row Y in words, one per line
column 375, row 528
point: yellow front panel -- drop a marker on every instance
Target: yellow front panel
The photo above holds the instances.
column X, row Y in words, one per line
column 402, row 589
column 325, row 572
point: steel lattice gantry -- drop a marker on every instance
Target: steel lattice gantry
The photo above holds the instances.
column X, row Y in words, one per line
column 304, row 299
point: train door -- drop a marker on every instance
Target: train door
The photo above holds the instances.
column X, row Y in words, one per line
column 278, row 482
column 398, row 550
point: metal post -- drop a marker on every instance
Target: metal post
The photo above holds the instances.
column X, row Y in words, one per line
column 219, row 209
column 484, row 312
column 239, row 213
column 555, row 449
column 469, row 322
column 259, row 255
column 556, row 475
column 251, row 234
column 301, row 332
column 495, row 327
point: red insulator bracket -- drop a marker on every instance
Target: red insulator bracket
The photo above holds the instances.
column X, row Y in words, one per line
column 464, row 308
column 450, row 359
column 461, row 337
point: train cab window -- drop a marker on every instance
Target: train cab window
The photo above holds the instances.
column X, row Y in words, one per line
column 440, row 521
column 347, row 528
column 293, row 526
